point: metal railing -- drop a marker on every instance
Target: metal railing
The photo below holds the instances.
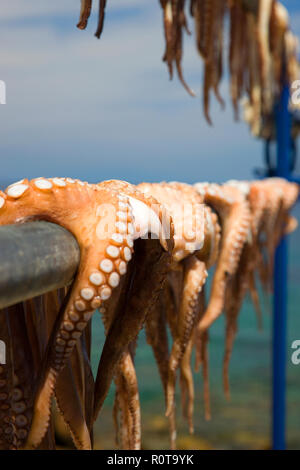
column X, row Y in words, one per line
column 36, row 257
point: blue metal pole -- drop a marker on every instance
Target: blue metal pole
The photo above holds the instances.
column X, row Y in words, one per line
column 283, row 125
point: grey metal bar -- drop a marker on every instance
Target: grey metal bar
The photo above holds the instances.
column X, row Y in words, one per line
column 35, row 258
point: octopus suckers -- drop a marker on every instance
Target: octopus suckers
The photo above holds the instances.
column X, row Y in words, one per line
column 127, row 253
column 122, row 198
column 68, row 326
column 121, row 226
column 60, row 341
column 105, row 293
column 70, row 180
column 97, row 279
column 18, row 407
column 17, row 394
column 122, row 267
column 122, row 215
column 17, row 190
column 2, row 201
column 21, row 420
column 114, row 279
column 113, row 251
column 21, row 433
column 106, row 265
column 59, row 182
column 87, row 293
column 117, row 238
column 65, row 334
column 80, row 326
column 80, row 305
column 75, row 335
column 130, row 229
column 123, row 205
column 73, row 316
column 43, row 184
column 129, row 241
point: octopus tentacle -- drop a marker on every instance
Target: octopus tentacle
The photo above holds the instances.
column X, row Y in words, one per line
column 70, row 393
column 150, row 256
column 187, row 211
column 74, row 386
column 187, row 385
column 174, row 22
column 237, row 53
column 127, row 371
column 234, row 213
column 194, row 279
column 85, row 11
column 209, row 20
column 255, row 92
column 263, row 30
column 157, row 337
column 7, row 426
column 97, row 274
column 149, row 275
column 102, row 5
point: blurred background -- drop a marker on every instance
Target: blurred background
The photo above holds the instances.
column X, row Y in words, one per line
column 98, row 110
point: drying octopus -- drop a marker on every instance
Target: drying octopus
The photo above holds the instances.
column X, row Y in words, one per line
column 196, row 235
column 243, row 211
column 134, row 281
column 270, row 202
column 108, row 230
column 261, row 45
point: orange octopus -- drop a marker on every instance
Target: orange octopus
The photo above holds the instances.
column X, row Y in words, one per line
column 134, row 280
column 105, row 225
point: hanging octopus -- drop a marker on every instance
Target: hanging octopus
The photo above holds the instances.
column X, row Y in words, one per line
column 234, row 214
column 85, row 11
column 260, row 44
column 134, row 280
column 196, row 238
column 147, row 284
column 175, row 22
column 209, row 22
column 104, row 223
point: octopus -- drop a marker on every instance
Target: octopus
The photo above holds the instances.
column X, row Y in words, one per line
column 145, row 256
column 261, row 45
column 237, row 53
column 196, row 235
column 126, row 377
column 108, row 230
column 85, row 11
column 175, row 22
column 270, row 202
column 209, row 22
column 234, row 214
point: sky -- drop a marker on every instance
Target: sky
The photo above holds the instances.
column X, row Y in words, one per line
column 106, row 109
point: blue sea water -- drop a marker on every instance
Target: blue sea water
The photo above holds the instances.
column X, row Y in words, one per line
column 244, row 422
